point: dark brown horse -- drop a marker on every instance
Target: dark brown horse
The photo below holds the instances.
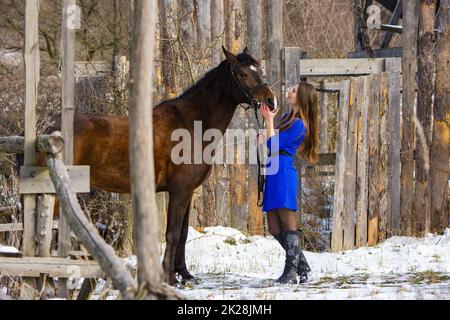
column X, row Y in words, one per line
column 101, row 141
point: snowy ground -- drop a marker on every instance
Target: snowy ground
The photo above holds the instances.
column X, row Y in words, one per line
column 230, row 265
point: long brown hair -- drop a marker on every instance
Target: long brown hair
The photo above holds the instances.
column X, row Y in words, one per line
column 307, row 110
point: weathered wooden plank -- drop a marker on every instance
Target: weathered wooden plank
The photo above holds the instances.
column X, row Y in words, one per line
column 341, row 67
column 350, row 169
column 323, row 119
column 362, row 169
column 374, row 161
column 12, row 227
column 53, row 267
column 409, row 68
column 383, row 172
column 36, row 180
column 337, row 235
column 394, row 125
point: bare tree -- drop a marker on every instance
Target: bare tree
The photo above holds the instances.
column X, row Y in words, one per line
column 142, row 171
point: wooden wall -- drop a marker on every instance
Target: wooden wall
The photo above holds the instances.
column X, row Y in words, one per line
column 367, row 195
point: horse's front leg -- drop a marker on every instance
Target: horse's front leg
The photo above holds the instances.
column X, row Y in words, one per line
column 180, row 260
column 178, row 204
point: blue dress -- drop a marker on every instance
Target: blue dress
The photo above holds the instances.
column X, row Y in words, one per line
column 281, row 187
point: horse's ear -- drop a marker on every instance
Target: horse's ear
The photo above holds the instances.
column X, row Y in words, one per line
column 231, row 58
column 246, row 51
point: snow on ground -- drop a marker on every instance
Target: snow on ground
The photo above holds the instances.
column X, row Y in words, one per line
column 230, row 265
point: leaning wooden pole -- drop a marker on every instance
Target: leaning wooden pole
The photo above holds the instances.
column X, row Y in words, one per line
column 142, row 171
column 425, row 85
column 409, row 67
column 87, row 233
column 440, row 148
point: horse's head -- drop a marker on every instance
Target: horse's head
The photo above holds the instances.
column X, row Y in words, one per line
column 247, row 78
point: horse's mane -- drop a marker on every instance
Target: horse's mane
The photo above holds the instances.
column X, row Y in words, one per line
column 243, row 58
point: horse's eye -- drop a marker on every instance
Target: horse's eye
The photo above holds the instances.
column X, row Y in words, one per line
column 243, row 75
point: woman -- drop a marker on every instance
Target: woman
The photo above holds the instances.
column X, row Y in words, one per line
column 297, row 136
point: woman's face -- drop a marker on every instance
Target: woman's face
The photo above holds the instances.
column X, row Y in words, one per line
column 291, row 95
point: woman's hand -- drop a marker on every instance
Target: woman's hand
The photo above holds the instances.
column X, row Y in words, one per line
column 266, row 113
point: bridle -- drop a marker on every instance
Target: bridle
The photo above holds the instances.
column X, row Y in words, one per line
column 254, row 104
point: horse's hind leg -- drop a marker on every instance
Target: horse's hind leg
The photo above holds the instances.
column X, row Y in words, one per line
column 180, row 260
column 178, row 203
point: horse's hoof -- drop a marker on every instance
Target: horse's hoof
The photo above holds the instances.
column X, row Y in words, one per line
column 190, row 282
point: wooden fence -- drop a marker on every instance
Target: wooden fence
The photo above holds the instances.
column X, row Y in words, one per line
column 366, row 206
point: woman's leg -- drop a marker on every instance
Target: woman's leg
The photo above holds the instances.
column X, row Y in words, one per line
column 274, row 223
column 288, row 219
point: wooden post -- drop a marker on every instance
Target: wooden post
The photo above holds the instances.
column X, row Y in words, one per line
column 142, row 171
column 409, row 67
column 68, row 100
column 440, row 148
column 255, row 33
column 394, row 120
column 337, row 235
column 236, row 33
column 362, row 181
column 32, row 65
column 217, row 30
column 425, row 85
column 274, row 45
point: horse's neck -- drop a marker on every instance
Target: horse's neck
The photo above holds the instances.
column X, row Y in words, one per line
column 213, row 102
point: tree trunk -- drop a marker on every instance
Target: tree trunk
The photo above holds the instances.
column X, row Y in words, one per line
column 142, row 171
column 409, row 67
column 440, row 148
column 422, row 202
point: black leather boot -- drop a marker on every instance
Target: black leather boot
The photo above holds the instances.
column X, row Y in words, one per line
column 303, row 267
column 291, row 240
